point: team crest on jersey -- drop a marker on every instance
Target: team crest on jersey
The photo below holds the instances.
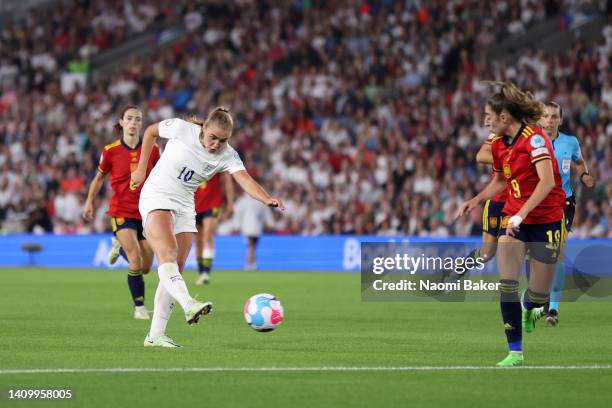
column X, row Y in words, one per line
column 504, row 222
column 493, row 222
column 507, row 171
column 208, row 169
column 537, row 141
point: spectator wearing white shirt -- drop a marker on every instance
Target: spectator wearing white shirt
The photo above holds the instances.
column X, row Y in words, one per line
column 193, row 19
column 252, row 216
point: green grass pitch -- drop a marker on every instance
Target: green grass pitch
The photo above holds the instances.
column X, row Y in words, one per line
column 51, row 319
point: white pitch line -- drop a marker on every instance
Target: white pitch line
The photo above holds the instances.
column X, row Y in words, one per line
column 289, row 369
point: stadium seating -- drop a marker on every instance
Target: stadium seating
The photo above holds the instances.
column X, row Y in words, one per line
column 365, row 119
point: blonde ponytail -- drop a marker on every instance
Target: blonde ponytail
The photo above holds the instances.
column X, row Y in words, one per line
column 196, row 120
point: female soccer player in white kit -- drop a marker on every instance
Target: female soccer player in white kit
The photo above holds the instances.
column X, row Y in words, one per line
column 193, row 155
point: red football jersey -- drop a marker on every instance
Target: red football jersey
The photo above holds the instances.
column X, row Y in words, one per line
column 209, row 195
column 120, row 161
column 500, row 197
column 517, row 159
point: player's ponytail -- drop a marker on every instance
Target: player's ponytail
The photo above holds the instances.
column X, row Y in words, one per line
column 221, row 117
column 520, row 104
column 196, row 120
column 117, row 128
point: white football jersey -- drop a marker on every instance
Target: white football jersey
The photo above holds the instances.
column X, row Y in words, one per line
column 185, row 164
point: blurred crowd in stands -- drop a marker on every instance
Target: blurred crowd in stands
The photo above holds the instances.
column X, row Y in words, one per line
column 365, row 117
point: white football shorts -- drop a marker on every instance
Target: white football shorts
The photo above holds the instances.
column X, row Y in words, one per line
column 183, row 219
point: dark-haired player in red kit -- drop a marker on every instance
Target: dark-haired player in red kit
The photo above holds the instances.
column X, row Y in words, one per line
column 208, row 202
column 119, row 159
column 533, row 214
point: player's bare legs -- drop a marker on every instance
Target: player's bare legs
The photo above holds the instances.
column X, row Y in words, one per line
column 147, row 255
column 164, row 302
column 171, row 252
column 205, row 247
column 183, row 240
column 128, row 239
column 541, row 277
column 210, row 227
column 489, row 246
column 510, row 255
column 129, row 242
column 160, row 235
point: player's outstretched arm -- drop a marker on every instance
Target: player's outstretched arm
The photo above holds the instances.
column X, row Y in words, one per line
column 495, row 186
column 148, row 140
column 228, row 189
column 255, row 190
column 94, row 189
column 485, row 155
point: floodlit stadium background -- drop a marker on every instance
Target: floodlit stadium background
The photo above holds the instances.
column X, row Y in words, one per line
column 364, row 118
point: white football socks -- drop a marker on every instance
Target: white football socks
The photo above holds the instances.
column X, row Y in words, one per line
column 172, row 280
column 162, row 309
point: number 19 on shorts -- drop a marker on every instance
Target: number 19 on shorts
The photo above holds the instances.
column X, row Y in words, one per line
column 555, row 239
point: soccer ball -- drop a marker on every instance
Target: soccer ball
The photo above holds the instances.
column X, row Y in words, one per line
column 263, row 312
